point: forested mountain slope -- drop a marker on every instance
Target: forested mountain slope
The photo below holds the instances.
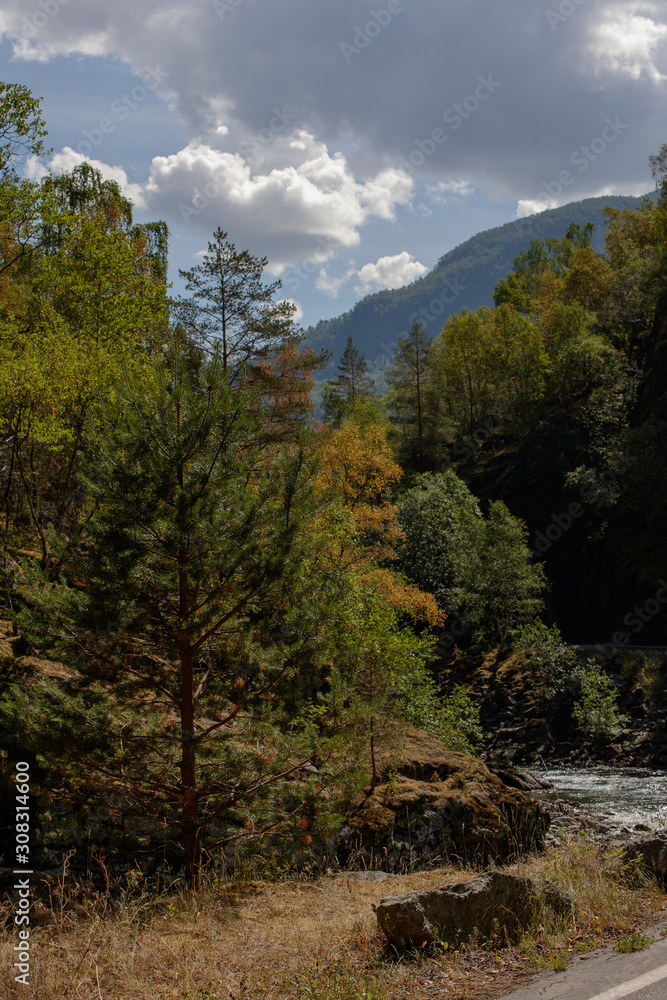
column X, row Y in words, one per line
column 464, row 277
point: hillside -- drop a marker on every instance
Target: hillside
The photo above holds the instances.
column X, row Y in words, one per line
column 465, row 276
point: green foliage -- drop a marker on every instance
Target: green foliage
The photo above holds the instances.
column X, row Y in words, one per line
column 490, row 362
column 551, row 254
column 519, row 363
column 581, row 365
column 465, row 275
column 551, row 659
column 22, row 128
column 500, row 587
column 634, row 247
column 634, row 942
column 596, row 709
column 454, row 719
column 437, row 515
column 383, row 671
column 351, row 385
column 464, row 369
column 423, row 426
column 479, row 566
column 82, row 295
column 510, row 290
column 559, row 674
column 233, row 310
column 605, row 438
column 194, row 601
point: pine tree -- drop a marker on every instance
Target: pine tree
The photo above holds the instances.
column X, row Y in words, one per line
column 351, row 384
column 192, row 606
column 415, row 406
column 233, row 311
column 231, row 305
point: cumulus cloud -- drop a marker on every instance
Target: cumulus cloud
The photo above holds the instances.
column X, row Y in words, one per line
column 530, row 206
column 627, row 43
column 331, row 285
column 389, row 272
column 290, row 210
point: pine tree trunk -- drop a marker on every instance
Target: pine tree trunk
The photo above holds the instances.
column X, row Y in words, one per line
column 190, row 812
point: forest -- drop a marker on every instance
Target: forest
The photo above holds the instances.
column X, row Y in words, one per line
column 219, row 610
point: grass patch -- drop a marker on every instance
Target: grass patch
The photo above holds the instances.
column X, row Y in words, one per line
column 289, row 937
column 633, row 942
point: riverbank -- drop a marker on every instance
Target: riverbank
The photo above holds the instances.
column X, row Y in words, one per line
column 523, row 731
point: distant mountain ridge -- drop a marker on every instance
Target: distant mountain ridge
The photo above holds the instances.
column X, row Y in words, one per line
column 463, row 277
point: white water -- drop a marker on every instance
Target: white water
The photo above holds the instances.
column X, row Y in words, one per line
column 622, row 798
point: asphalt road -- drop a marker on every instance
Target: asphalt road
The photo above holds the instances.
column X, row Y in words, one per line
column 606, row 975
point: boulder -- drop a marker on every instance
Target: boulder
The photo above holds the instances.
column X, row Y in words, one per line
column 436, row 804
column 492, row 903
column 649, row 852
column 513, row 777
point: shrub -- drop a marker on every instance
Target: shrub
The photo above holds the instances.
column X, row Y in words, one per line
column 453, row 719
column 553, row 660
column 596, row 710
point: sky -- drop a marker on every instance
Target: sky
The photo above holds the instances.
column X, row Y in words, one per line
column 351, row 142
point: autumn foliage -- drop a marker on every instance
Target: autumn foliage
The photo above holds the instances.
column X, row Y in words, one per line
column 359, row 465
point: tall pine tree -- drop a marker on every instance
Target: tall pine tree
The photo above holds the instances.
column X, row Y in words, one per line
column 351, row 384
column 233, row 311
column 192, row 609
column 415, row 406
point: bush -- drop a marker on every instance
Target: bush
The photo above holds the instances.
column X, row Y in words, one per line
column 500, row 587
column 555, row 663
column 453, row 719
column 437, row 517
column 596, row 710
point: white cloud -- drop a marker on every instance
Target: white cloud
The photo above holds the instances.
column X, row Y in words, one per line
column 297, row 316
column 626, row 43
column 389, row 272
column 332, row 286
column 438, row 192
column 609, row 58
column 290, row 210
column 530, row 206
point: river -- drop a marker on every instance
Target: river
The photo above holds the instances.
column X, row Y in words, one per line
column 622, row 798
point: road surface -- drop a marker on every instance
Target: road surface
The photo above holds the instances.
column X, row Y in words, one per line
column 606, row 975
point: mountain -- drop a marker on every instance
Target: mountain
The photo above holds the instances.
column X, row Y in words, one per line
column 466, row 276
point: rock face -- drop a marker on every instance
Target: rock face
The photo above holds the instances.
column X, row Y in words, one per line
column 650, row 851
column 439, row 804
column 491, row 903
column 522, row 731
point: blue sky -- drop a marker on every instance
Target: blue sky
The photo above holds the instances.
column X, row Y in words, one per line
column 352, row 143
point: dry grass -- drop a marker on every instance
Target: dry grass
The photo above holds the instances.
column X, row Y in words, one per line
column 308, row 939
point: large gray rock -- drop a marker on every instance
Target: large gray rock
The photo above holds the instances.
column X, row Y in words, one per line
column 490, row 903
column 439, row 804
column 649, row 852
